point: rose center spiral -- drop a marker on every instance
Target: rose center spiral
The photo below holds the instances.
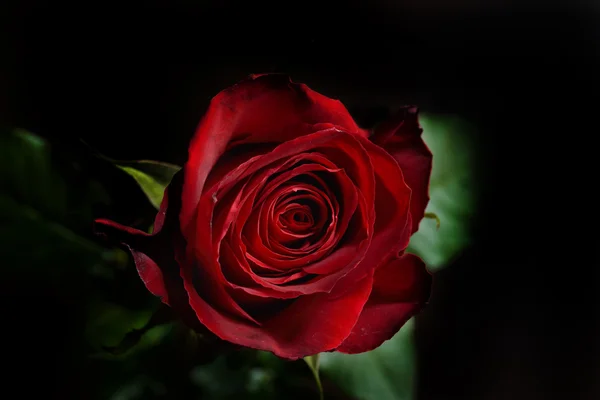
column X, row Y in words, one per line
column 297, row 218
column 300, row 219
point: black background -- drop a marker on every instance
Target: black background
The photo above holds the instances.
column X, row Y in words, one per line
column 516, row 316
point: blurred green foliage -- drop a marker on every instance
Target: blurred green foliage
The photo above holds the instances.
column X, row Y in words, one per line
column 451, row 190
column 386, row 373
column 40, row 211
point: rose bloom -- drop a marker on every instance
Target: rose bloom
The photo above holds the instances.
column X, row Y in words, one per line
column 286, row 230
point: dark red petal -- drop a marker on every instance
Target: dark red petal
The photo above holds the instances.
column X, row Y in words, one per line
column 312, row 324
column 240, row 277
column 149, row 271
column 161, row 216
column 400, row 289
column 231, row 160
column 392, row 217
column 206, row 274
column 393, row 198
column 260, row 109
column 153, row 254
column 401, row 137
column 280, row 280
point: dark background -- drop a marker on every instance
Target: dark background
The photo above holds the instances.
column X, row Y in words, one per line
column 516, row 316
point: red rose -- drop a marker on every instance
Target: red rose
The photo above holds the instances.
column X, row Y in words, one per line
column 286, row 229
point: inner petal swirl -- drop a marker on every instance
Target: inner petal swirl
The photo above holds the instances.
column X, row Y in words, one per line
column 280, row 224
column 295, row 220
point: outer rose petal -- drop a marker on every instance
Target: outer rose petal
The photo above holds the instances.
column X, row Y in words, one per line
column 153, row 254
column 400, row 290
column 261, row 109
column 393, row 222
column 312, row 324
column 401, row 137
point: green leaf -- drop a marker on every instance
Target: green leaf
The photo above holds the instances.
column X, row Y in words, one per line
column 117, row 332
column 452, row 191
column 152, row 176
column 36, row 214
column 386, row 373
column 161, row 316
column 28, row 177
column 313, row 364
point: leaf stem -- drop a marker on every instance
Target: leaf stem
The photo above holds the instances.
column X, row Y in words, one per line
column 313, row 364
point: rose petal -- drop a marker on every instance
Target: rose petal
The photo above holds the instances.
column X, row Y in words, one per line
column 401, row 288
column 232, row 159
column 401, row 137
column 312, row 324
column 212, row 289
column 241, row 279
column 260, row 109
column 393, row 219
